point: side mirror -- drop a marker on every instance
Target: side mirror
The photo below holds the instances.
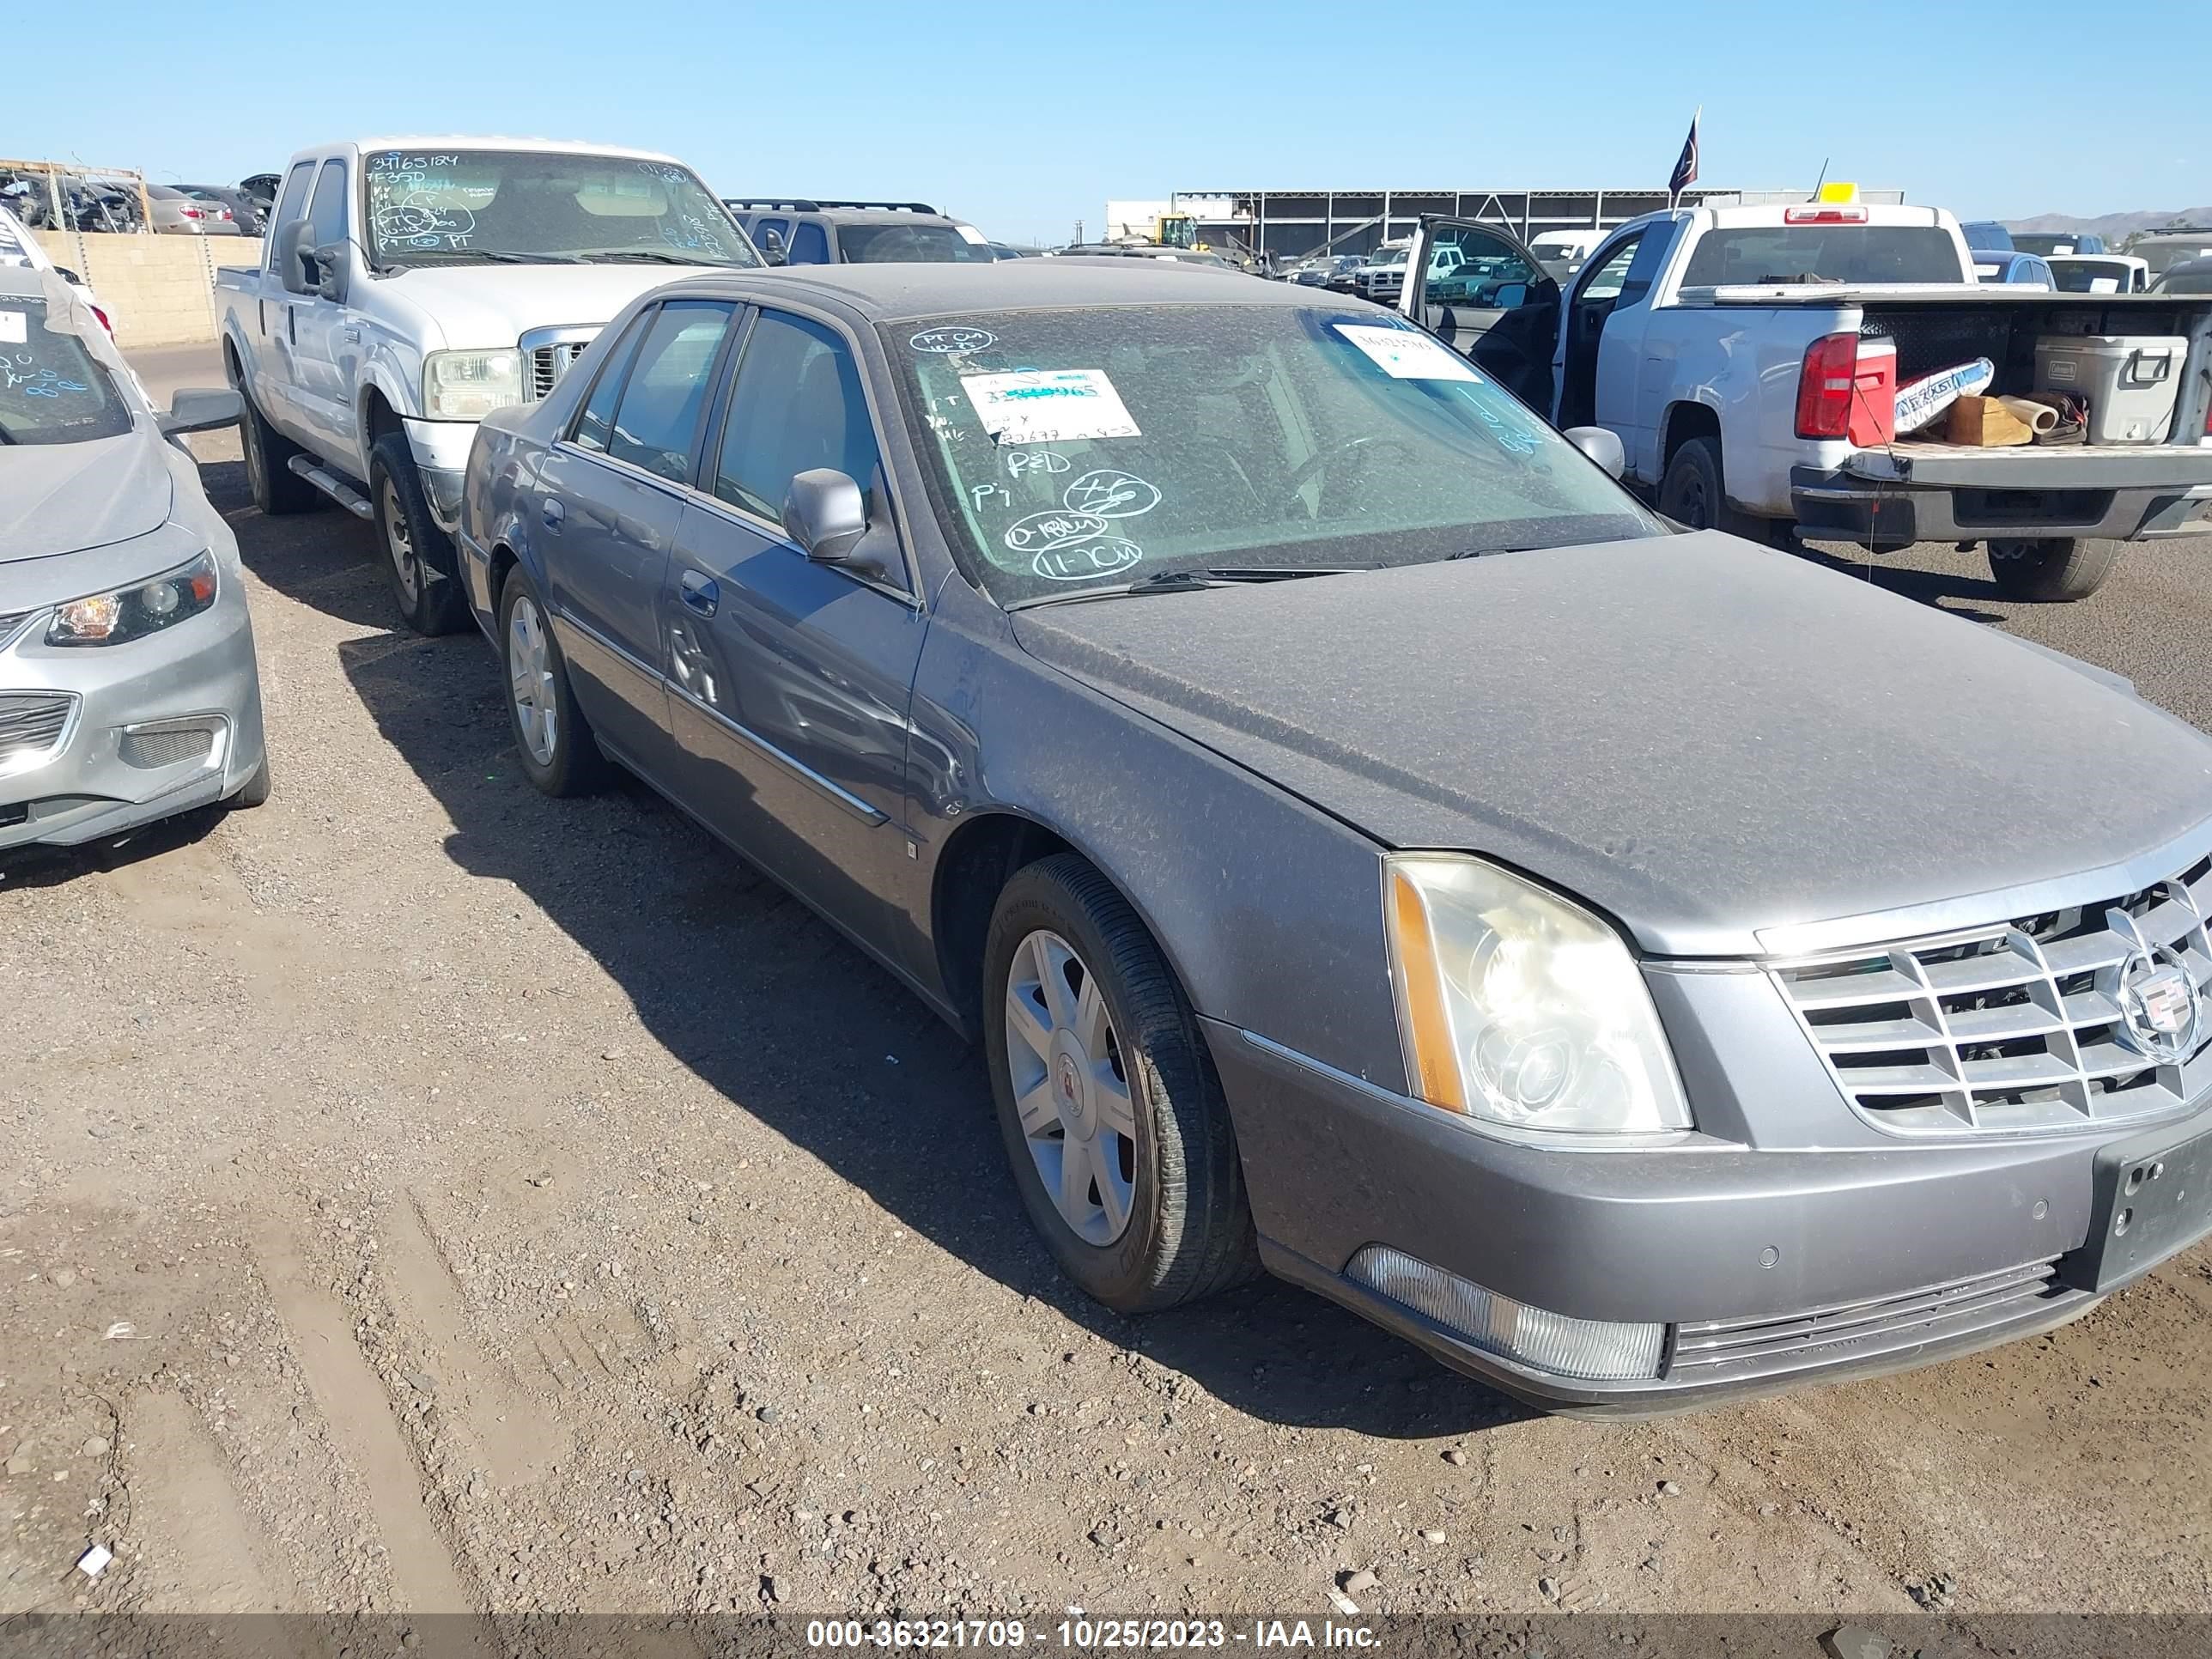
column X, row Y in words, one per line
column 824, row 512
column 772, row 247
column 333, row 271
column 1510, row 296
column 69, row 276
column 294, row 258
column 1601, row 445
column 201, row 412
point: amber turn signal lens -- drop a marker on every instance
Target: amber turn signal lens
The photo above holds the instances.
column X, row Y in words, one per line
column 1421, row 999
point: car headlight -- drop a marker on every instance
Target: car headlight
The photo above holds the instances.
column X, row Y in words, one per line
column 132, row 613
column 1521, row 1008
column 467, row 386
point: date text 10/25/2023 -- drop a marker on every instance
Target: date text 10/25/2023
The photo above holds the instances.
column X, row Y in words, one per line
column 1087, row 1635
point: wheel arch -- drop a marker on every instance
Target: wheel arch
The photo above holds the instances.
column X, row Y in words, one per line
column 1686, row 418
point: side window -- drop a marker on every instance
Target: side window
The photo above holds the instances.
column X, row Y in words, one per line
column 595, row 422
column 1651, row 251
column 1606, row 281
column 290, row 205
column 797, row 405
column 657, row 420
column 809, row 247
column 326, row 212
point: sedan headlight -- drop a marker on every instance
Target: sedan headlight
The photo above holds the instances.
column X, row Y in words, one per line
column 132, row 613
column 467, row 386
column 1521, row 1008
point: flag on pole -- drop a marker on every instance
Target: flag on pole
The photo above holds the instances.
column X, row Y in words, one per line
column 1685, row 169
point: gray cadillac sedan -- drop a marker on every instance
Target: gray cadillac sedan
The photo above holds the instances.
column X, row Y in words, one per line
column 128, row 687
column 1636, row 967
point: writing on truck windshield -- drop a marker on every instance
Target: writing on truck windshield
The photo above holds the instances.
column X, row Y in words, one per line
column 1087, row 448
column 427, row 207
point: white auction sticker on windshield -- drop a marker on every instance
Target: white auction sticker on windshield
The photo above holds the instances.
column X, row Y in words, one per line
column 15, row 328
column 1405, row 354
column 1049, row 406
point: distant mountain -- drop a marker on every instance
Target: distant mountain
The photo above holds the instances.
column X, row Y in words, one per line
column 2113, row 226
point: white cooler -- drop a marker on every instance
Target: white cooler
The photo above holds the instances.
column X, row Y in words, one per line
column 2129, row 381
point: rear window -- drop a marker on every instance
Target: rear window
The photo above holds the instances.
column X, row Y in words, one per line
column 1824, row 253
column 50, row 390
column 907, row 245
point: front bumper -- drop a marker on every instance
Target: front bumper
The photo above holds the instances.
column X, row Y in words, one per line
column 155, row 727
column 1841, row 506
column 441, row 457
column 1772, row 1268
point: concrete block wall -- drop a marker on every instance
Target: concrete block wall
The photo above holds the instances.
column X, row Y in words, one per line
column 157, row 290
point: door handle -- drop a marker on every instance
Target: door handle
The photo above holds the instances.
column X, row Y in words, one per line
column 701, row 592
column 553, row 512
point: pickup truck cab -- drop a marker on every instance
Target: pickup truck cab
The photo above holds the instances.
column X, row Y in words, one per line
column 410, row 286
column 1725, row 346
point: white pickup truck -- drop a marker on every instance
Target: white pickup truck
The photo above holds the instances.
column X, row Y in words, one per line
column 1729, row 350
column 409, row 287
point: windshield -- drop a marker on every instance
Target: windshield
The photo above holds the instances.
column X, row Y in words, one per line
column 2162, row 257
column 443, row 207
column 1084, row 449
column 1824, row 253
column 2045, row 244
column 1387, row 257
column 50, row 390
column 907, row 244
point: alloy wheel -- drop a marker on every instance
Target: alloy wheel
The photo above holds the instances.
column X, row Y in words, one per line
column 1071, row 1087
column 530, row 680
column 401, row 545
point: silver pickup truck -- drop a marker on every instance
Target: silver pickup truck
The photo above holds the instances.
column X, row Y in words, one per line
column 410, row 286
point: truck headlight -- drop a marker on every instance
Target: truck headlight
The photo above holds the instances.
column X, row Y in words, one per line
column 131, row 613
column 1520, row 1008
column 467, row 386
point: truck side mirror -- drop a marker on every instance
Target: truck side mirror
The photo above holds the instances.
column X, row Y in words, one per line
column 333, row 271
column 772, row 247
column 294, row 258
column 201, row 412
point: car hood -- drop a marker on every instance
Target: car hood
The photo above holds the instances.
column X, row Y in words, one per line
column 63, row 498
column 482, row 306
column 1710, row 741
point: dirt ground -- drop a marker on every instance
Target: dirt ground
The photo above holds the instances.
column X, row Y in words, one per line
column 420, row 1195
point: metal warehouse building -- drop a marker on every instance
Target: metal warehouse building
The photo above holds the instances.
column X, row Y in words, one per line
column 1296, row 223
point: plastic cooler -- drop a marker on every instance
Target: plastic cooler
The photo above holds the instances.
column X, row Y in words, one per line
column 2131, row 382
column 1873, row 395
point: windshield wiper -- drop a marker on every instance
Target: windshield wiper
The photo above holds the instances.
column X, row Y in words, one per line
column 660, row 256
column 1190, row 581
column 497, row 256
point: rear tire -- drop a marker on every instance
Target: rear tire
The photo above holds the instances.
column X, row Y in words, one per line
column 420, row 563
column 1183, row 1230
column 1695, row 493
column 2054, row 572
column 275, row 489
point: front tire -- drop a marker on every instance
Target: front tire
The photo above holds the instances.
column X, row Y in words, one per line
column 419, row 561
column 2053, row 572
column 254, row 792
column 1112, row 1117
column 558, row 752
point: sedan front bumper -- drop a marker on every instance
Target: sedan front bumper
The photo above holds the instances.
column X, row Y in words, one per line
column 1769, row 1268
column 152, row 727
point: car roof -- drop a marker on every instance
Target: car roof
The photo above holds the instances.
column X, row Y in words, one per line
column 470, row 141
column 892, row 292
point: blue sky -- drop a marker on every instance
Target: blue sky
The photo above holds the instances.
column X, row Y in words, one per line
column 1027, row 118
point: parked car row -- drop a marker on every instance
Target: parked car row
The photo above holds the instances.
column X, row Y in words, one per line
column 1567, row 998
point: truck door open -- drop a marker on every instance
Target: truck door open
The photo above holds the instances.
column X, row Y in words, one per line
column 1483, row 294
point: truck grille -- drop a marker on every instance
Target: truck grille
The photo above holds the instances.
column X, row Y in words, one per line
column 32, row 724
column 2035, row 1024
column 547, row 363
column 1962, row 1305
